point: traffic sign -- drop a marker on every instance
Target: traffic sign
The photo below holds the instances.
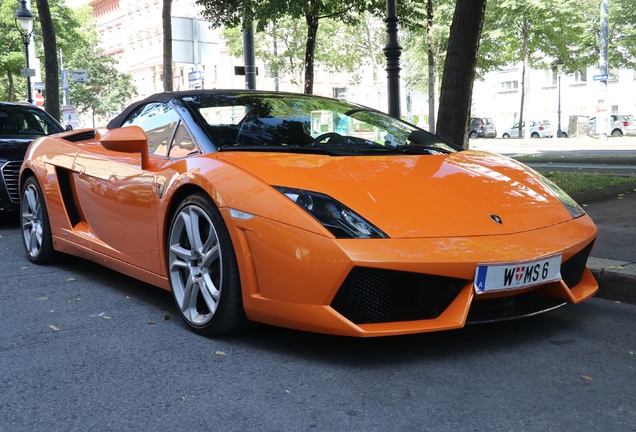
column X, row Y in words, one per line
column 39, row 99
column 601, row 77
column 194, row 76
column 27, row 72
column 65, row 86
column 79, row 76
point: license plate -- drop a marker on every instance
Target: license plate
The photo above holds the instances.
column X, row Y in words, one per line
column 501, row 277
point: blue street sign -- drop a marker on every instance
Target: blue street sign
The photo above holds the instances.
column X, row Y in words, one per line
column 602, row 77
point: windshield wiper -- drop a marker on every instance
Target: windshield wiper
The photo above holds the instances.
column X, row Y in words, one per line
column 421, row 148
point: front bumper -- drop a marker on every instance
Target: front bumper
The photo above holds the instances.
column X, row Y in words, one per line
column 379, row 287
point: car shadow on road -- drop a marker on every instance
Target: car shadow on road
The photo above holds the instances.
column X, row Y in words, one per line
column 547, row 328
column 367, row 352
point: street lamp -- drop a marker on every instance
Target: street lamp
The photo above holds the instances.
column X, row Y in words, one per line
column 392, row 52
column 24, row 24
column 559, row 65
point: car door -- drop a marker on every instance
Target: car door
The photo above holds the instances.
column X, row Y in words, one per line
column 120, row 197
column 514, row 131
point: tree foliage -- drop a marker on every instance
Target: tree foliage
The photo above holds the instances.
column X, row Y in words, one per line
column 65, row 24
column 107, row 90
column 231, row 13
column 282, row 49
column 12, row 55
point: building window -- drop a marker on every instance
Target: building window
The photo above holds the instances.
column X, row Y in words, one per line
column 551, row 76
column 580, row 76
column 271, row 70
column 509, row 85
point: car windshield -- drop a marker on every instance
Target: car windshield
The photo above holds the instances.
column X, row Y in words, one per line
column 299, row 123
column 18, row 120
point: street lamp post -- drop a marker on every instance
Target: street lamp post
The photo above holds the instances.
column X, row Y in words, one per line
column 392, row 51
column 24, row 24
column 559, row 65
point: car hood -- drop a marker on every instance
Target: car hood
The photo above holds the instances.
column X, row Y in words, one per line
column 461, row 194
column 14, row 148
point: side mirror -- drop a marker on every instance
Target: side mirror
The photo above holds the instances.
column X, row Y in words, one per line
column 129, row 139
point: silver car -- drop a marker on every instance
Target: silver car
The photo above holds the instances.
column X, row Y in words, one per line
column 538, row 129
column 621, row 125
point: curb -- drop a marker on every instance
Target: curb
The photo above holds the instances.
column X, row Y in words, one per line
column 599, row 194
column 616, row 279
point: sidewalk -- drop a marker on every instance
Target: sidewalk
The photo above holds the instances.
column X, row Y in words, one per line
column 613, row 260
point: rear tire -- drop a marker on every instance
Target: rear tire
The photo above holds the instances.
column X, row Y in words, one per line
column 203, row 270
column 35, row 225
column 617, row 132
column 505, row 135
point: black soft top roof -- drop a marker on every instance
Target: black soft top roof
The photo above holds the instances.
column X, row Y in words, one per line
column 168, row 96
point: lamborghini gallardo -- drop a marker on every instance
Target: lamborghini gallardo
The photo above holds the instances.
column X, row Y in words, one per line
column 304, row 212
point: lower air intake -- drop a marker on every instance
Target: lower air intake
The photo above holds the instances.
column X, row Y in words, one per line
column 371, row 296
column 572, row 269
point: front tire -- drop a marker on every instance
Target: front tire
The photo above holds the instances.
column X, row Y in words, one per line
column 473, row 134
column 35, row 225
column 506, row 135
column 203, row 270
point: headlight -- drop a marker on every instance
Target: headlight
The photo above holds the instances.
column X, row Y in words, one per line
column 340, row 220
column 575, row 210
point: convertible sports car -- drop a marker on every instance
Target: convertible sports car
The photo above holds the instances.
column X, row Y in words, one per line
column 305, row 212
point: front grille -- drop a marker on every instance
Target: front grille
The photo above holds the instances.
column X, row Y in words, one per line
column 11, row 174
column 572, row 269
column 370, row 296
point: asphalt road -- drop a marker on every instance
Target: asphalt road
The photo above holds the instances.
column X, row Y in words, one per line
column 558, row 147
column 84, row 348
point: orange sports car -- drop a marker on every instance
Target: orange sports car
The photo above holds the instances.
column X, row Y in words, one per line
column 305, row 212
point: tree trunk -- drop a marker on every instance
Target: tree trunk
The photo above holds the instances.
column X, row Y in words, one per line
column 459, row 71
column 52, row 79
column 431, row 66
column 166, row 15
column 310, row 50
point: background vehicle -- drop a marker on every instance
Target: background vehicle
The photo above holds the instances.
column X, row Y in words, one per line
column 538, row 129
column 482, row 127
column 19, row 125
column 305, row 212
column 621, row 125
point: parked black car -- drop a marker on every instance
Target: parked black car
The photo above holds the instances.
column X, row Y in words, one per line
column 19, row 125
column 482, row 127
